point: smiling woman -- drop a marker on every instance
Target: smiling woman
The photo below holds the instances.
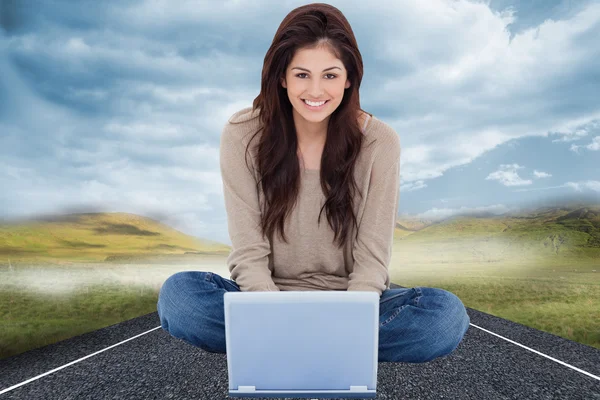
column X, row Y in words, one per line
column 324, row 69
column 313, row 97
column 308, row 108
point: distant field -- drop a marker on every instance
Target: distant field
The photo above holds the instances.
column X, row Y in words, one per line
column 38, row 307
column 79, row 273
column 560, row 299
column 42, row 305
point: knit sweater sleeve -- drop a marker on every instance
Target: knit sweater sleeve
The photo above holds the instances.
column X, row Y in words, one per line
column 373, row 247
column 248, row 261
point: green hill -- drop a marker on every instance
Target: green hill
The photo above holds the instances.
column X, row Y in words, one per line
column 96, row 237
column 569, row 232
column 561, row 232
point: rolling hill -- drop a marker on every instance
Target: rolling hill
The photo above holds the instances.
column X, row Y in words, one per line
column 570, row 232
column 559, row 232
column 97, row 237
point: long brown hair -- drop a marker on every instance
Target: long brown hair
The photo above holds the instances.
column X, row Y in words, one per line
column 308, row 26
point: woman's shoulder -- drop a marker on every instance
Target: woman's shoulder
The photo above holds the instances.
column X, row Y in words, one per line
column 241, row 125
column 382, row 132
column 243, row 115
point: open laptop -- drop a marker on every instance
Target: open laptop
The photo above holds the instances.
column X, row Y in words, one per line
column 306, row 344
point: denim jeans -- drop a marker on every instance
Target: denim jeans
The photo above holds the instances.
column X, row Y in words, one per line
column 416, row 325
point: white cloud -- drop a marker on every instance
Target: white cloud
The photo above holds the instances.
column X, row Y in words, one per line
column 539, row 188
column 144, row 130
column 595, row 145
column 581, row 186
column 467, row 70
column 575, row 131
column 508, row 176
column 540, row 174
column 77, row 47
column 412, row 186
column 437, row 214
column 577, row 186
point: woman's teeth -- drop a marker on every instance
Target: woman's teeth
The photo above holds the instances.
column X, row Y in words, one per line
column 315, row 104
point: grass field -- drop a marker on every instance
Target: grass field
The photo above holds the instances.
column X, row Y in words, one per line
column 553, row 298
column 60, row 279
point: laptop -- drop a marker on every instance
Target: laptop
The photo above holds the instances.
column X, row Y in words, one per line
column 307, row 344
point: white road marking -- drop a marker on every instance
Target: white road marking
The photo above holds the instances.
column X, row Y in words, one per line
column 74, row 362
column 541, row 354
column 158, row 327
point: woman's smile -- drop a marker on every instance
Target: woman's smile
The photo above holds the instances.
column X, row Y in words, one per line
column 315, row 108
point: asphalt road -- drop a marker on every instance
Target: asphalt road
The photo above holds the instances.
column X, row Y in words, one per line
column 136, row 359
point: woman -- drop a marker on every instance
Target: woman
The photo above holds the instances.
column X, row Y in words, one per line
column 311, row 158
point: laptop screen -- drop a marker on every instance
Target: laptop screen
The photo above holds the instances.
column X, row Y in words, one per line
column 303, row 341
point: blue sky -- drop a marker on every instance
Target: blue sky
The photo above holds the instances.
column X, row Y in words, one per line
column 119, row 106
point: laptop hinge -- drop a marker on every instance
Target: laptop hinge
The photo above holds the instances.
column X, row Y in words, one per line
column 358, row 388
column 246, row 389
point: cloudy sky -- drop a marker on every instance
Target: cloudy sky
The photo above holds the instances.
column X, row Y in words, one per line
column 119, row 106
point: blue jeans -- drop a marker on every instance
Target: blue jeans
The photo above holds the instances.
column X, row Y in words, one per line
column 416, row 325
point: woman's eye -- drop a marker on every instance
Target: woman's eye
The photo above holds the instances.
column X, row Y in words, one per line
column 325, row 75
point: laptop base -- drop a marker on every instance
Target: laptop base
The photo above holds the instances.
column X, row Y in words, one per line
column 332, row 394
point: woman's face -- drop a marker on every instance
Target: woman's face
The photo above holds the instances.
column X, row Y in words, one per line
column 308, row 76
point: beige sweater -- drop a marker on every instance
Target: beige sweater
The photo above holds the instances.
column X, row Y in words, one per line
column 310, row 261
